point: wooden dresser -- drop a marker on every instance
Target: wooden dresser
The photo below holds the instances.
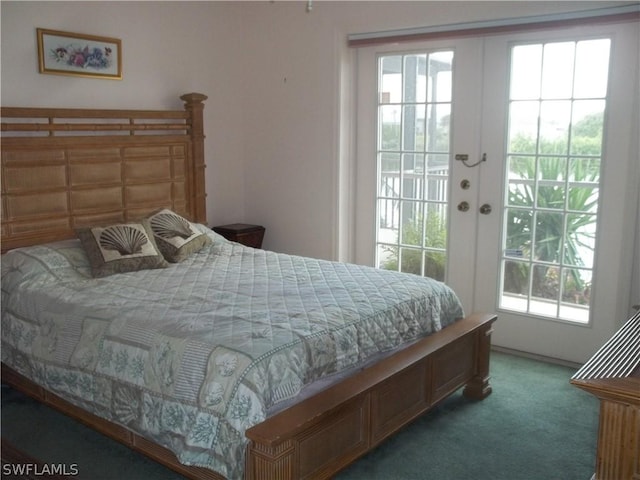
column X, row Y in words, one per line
column 613, row 375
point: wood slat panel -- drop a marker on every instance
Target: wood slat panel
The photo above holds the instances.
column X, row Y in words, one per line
column 21, row 207
column 104, row 173
column 35, row 179
column 53, row 184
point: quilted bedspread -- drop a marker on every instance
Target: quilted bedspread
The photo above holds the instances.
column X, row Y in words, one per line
column 192, row 355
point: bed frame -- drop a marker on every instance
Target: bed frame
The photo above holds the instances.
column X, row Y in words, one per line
column 67, row 168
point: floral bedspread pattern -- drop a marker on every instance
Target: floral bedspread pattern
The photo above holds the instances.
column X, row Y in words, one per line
column 192, row 355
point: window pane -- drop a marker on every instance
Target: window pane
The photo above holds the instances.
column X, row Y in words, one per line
column 576, row 295
column 552, row 168
column 435, row 264
column 438, row 127
column 437, row 188
column 555, row 118
column 584, row 169
column 415, row 80
column 548, row 236
column 414, row 151
column 435, row 235
column 516, row 278
column 557, row 70
column 550, row 196
column 581, row 238
column 592, row 68
column 440, row 69
column 576, row 286
column 526, row 68
column 519, row 233
column 587, row 127
column 414, row 127
column 419, row 164
column 438, row 164
column 523, row 127
column 412, row 176
column 583, row 199
column 390, row 79
column 387, row 257
column 520, row 194
column 390, row 163
column 411, row 260
column 389, row 173
column 521, row 167
column 390, row 128
column 388, row 220
column 545, row 284
column 411, row 232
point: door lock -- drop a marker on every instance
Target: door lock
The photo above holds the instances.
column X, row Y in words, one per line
column 485, row 209
column 463, row 206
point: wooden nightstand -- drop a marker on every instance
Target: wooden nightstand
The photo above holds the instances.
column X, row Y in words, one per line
column 249, row 235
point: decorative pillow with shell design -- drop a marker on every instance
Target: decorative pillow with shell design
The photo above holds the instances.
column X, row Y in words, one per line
column 121, row 248
column 177, row 237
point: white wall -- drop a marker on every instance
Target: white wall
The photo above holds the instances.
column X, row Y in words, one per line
column 274, row 75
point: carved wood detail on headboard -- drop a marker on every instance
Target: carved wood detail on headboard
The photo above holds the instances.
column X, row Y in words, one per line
column 67, row 168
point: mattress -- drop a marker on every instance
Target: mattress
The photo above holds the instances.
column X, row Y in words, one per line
column 192, row 355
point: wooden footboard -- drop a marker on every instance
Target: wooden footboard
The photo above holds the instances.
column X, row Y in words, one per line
column 321, row 435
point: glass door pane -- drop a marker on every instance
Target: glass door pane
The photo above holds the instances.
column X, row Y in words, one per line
column 413, row 151
column 557, row 101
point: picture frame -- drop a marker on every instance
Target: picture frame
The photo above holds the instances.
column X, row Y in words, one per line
column 78, row 54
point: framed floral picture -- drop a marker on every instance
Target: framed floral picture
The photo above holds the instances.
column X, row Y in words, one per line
column 66, row 53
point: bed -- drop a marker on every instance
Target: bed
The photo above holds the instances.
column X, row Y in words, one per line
column 259, row 366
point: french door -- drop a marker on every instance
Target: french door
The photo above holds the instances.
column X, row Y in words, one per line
column 501, row 165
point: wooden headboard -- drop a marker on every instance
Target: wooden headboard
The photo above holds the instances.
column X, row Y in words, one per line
column 67, row 168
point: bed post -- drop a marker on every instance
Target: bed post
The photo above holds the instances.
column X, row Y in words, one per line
column 478, row 387
column 193, row 104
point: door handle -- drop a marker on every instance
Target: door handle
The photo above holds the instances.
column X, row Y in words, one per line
column 485, row 209
column 463, row 206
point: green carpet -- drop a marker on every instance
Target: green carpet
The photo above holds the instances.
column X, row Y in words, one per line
column 534, row 426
